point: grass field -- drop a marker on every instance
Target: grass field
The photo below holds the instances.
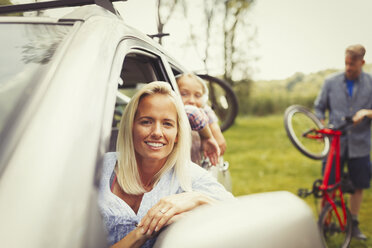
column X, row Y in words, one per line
column 262, row 159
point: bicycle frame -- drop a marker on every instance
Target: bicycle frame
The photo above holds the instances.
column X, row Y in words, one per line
column 336, row 187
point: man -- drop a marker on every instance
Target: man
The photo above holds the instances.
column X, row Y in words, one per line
column 345, row 94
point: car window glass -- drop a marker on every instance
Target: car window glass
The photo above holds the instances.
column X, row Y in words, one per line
column 25, row 51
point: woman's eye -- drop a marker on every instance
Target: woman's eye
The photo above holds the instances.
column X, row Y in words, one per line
column 168, row 124
column 145, row 122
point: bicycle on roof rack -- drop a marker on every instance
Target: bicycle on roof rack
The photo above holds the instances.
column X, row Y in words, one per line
column 315, row 141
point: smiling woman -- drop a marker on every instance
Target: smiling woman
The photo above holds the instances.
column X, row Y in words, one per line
column 154, row 132
column 150, row 181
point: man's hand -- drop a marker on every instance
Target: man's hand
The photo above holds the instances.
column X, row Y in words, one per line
column 358, row 117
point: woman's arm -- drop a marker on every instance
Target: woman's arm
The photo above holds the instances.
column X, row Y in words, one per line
column 134, row 239
column 171, row 208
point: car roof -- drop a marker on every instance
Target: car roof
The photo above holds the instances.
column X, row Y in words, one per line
column 47, row 5
column 83, row 14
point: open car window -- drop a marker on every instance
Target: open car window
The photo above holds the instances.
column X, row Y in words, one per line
column 139, row 68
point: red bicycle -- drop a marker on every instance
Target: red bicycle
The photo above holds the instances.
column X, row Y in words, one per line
column 311, row 138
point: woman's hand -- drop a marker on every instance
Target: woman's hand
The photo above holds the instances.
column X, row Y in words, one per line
column 169, row 209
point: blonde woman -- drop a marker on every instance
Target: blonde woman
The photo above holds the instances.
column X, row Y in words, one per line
column 150, row 181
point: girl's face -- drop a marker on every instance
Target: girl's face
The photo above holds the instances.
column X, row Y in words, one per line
column 191, row 91
column 154, row 128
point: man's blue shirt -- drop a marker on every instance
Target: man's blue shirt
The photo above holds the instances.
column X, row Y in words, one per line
column 350, row 85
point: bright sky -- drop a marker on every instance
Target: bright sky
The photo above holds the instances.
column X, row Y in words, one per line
column 308, row 36
column 293, row 35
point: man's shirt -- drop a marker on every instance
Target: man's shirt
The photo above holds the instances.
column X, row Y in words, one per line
column 335, row 98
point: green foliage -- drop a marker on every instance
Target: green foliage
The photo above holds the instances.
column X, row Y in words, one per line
column 5, row 2
column 262, row 159
column 274, row 96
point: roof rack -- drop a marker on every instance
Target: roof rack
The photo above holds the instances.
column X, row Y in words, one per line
column 107, row 4
column 159, row 35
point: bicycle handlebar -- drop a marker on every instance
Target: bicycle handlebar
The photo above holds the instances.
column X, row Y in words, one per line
column 318, row 134
column 348, row 121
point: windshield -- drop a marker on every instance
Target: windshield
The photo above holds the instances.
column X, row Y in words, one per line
column 25, row 49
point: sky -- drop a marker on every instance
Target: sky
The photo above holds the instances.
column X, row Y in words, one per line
column 292, row 35
column 308, row 36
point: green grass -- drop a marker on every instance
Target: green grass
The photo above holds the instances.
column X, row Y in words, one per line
column 262, row 159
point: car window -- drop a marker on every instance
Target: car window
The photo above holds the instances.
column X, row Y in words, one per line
column 25, row 51
column 139, row 68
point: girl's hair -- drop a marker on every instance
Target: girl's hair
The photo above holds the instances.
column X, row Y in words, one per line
column 127, row 171
column 199, row 80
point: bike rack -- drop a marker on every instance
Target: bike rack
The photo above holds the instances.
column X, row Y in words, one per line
column 106, row 4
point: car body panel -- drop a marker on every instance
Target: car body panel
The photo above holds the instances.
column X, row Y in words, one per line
column 77, row 94
column 274, row 219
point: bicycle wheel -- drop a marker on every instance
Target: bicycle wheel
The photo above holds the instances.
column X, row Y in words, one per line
column 330, row 228
column 297, row 121
column 223, row 100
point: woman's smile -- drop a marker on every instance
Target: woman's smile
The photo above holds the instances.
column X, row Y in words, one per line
column 154, row 144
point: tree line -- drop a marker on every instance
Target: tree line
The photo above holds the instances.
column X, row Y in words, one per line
column 274, row 96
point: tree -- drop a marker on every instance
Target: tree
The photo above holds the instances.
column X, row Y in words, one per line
column 227, row 39
column 237, row 40
column 165, row 9
column 225, row 20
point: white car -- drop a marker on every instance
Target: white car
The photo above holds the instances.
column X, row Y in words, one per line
column 59, row 81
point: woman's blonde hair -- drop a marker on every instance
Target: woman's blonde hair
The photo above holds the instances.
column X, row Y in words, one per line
column 127, row 171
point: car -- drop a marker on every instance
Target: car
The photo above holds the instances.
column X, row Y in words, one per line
column 61, row 82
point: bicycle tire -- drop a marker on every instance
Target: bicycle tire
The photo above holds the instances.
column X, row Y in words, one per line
column 297, row 120
column 331, row 231
column 226, row 108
